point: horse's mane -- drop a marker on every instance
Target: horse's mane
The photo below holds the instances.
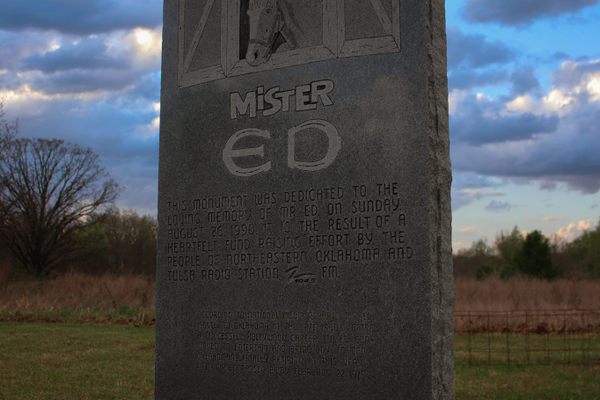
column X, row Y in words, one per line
column 292, row 31
column 254, row 4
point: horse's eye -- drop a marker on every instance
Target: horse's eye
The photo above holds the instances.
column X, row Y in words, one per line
column 268, row 11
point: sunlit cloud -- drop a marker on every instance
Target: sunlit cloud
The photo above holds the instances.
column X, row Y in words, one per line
column 467, row 230
column 572, row 230
column 25, row 94
column 547, row 138
column 521, row 104
column 550, row 218
column 593, row 87
column 557, row 100
column 146, row 44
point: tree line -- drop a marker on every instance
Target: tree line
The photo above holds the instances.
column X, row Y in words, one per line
column 533, row 255
column 112, row 241
column 56, row 211
column 56, row 214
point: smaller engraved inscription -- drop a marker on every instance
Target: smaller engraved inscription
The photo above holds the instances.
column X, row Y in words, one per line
column 286, row 343
column 326, row 230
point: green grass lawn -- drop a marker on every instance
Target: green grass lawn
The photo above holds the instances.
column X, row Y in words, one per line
column 79, row 362
column 562, row 382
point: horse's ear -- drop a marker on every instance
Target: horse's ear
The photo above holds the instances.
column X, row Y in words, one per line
column 288, row 13
column 291, row 26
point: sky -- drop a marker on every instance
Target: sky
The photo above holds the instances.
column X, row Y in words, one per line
column 524, row 95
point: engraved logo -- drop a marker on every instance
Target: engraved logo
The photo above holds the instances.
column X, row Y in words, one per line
column 301, row 278
column 223, row 38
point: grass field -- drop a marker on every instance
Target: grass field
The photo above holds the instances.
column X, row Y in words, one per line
column 79, row 362
column 75, row 362
column 121, row 299
column 528, row 383
column 534, row 367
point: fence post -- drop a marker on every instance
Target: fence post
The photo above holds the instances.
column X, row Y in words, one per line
column 543, row 343
column 528, row 350
column 568, row 337
column 583, row 339
column 489, row 339
column 469, row 333
column 508, row 318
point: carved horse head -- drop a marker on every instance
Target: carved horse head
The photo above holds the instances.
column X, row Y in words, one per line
column 270, row 20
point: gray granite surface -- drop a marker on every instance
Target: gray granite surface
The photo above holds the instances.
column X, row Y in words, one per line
column 304, row 201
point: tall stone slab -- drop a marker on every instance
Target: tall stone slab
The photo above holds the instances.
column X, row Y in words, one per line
column 304, row 207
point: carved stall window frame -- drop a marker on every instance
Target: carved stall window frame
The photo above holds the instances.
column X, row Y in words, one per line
column 390, row 43
column 335, row 45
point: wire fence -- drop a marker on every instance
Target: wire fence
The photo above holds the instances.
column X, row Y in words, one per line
column 527, row 337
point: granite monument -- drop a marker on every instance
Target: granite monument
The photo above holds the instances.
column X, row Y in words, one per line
column 304, row 201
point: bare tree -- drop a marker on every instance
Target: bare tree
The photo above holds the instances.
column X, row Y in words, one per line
column 8, row 130
column 48, row 189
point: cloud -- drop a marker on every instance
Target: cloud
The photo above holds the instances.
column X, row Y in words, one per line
column 9, row 82
column 97, row 90
column 474, row 60
column 464, row 197
column 499, row 206
column 90, row 53
column 574, row 229
column 556, row 158
column 474, row 182
column 550, row 218
column 117, row 126
column 83, row 81
column 466, row 78
column 479, row 120
column 578, row 78
column 468, row 230
column 147, row 87
column 101, row 63
column 476, row 50
column 524, row 81
column 80, row 16
column 520, row 12
column 482, row 193
column 16, row 46
column 556, row 140
column 139, row 184
column 468, row 188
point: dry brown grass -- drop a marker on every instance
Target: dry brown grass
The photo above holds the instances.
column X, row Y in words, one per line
column 527, row 306
column 526, row 294
column 80, row 297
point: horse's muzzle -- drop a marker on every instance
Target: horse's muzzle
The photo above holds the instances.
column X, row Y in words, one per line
column 259, row 52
